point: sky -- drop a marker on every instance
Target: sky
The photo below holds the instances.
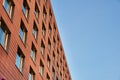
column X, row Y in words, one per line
column 90, row 34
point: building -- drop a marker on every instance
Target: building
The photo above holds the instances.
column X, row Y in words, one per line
column 30, row 44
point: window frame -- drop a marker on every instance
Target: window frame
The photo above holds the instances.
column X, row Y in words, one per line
column 25, row 9
column 10, row 7
column 21, row 63
column 41, row 68
column 33, row 53
column 7, row 34
column 24, row 32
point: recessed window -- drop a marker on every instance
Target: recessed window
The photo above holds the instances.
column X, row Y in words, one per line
column 48, row 61
column 50, row 14
column 22, row 32
column 47, row 77
column 25, row 8
column 35, row 30
column 53, row 56
column 36, row 11
column 43, row 30
column 60, row 73
column 19, row 60
column 61, row 61
column 57, row 53
column 9, row 7
column 50, row 30
column 54, row 42
column 42, row 48
column 54, row 28
column 57, row 66
column 41, row 68
column 61, row 49
column 4, row 35
column 31, row 75
column 33, row 53
column 53, row 73
column 49, row 44
column 44, row 13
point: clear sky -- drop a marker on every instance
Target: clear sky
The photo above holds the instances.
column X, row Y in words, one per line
column 90, row 33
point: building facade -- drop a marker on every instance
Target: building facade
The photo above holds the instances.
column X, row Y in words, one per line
column 30, row 44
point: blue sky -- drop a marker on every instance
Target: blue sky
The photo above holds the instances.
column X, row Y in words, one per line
column 90, row 33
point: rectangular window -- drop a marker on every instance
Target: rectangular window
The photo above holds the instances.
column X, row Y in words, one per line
column 25, row 8
column 31, row 75
column 22, row 32
column 42, row 49
column 4, row 35
column 48, row 61
column 33, row 53
column 9, row 7
column 57, row 66
column 35, row 30
column 47, row 77
column 41, row 68
column 54, row 29
column 49, row 44
column 50, row 14
column 36, row 11
column 53, row 73
column 19, row 60
column 53, row 56
column 44, row 13
column 50, row 30
column 43, row 30
column 54, row 42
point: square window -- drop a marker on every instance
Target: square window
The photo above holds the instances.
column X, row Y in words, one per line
column 9, row 7
column 4, row 35
column 25, row 8
column 19, row 60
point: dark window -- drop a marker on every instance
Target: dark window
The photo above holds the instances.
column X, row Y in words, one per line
column 22, row 32
column 19, row 60
column 31, row 75
column 25, row 8
column 35, row 30
column 4, row 34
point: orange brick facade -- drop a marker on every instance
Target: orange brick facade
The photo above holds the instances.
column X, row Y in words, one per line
column 8, row 68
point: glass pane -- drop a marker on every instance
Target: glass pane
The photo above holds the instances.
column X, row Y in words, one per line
column 18, row 61
column 32, row 54
column 2, row 37
column 30, row 76
column 21, row 33
column 24, row 9
column 6, row 6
